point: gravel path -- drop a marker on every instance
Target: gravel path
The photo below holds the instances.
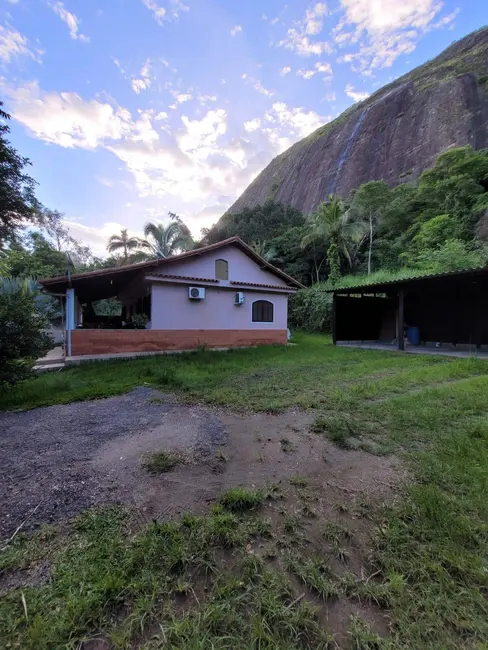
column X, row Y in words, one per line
column 74, row 456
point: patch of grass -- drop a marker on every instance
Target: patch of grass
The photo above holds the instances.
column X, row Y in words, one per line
column 108, row 583
column 364, row 638
column 160, row 462
column 298, row 481
column 315, row 574
column 336, row 533
column 291, row 524
column 239, row 499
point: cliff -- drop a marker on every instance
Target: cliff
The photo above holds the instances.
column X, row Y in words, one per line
column 393, row 135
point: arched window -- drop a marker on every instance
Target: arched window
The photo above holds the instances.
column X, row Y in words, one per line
column 221, row 269
column 262, row 311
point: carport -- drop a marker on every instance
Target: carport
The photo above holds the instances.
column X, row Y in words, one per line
column 443, row 312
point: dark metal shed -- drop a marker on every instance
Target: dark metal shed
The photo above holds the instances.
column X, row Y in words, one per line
column 447, row 309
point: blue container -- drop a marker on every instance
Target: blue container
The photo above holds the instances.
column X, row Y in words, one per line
column 413, row 335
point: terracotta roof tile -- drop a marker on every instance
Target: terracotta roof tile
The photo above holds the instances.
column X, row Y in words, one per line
column 265, row 286
column 180, row 277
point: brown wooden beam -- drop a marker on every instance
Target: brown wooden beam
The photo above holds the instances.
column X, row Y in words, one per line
column 400, row 320
column 334, row 319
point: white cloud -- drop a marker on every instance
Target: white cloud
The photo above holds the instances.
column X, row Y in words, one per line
column 14, row 44
column 257, row 85
column 382, row 30
column 284, row 71
column 71, row 21
column 161, row 14
column 252, row 125
column 103, row 180
column 157, row 11
column 66, row 119
column 235, row 30
column 96, row 237
column 196, row 167
column 356, row 95
column 306, row 74
column 180, row 97
column 298, row 37
column 144, row 81
column 319, row 68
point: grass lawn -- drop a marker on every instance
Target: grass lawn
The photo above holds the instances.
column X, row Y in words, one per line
column 194, row 584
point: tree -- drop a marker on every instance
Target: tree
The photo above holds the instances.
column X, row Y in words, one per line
column 368, row 205
column 333, row 224
column 34, row 256
column 18, row 203
column 22, row 336
column 453, row 255
column 165, row 241
column 123, row 242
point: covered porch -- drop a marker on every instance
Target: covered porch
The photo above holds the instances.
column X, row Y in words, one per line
column 437, row 314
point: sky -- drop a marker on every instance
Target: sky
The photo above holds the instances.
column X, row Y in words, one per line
column 129, row 109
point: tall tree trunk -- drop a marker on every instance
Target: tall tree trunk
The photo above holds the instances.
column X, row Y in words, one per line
column 370, row 243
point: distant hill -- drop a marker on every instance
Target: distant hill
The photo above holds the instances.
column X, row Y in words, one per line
column 393, row 135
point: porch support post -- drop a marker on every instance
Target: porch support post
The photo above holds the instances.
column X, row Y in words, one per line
column 400, row 320
column 334, row 319
column 70, row 317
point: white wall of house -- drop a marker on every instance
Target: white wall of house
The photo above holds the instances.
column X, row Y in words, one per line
column 173, row 310
column 241, row 267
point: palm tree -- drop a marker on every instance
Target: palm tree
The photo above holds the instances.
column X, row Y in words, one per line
column 167, row 240
column 123, row 242
column 331, row 223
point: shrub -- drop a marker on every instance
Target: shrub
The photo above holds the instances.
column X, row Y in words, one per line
column 311, row 309
column 22, row 339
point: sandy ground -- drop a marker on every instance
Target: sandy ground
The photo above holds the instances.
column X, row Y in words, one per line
column 63, row 459
column 60, row 460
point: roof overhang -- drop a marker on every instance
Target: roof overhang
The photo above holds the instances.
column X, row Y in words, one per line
column 107, row 283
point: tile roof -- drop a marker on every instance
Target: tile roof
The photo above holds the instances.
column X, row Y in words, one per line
column 180, row 277
column 256, row 284
column 63, row 279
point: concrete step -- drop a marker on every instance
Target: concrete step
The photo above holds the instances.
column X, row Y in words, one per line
column 48, row 367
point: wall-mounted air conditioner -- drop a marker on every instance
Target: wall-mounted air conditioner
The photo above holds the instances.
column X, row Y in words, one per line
column 196, row 293
column 239, row 298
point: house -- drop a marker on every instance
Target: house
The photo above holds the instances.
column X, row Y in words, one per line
column 222, row 296
column 442, row 312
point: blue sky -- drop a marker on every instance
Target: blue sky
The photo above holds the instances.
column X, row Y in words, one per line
column 131, row 108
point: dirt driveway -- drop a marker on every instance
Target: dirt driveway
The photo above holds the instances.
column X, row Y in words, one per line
column 63, row 459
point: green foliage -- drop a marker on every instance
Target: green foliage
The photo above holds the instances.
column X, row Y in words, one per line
column 311, row 309
column 35, row 257
column 123, row 242
column 238, row 499
column 260, row 223
column 139, row 321
column 163, row 241
column 18, row 204
column 160, row 462
column 22, row 339
column 453, row 255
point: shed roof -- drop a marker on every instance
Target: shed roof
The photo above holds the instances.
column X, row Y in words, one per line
column 380, row 286
column 106, row 283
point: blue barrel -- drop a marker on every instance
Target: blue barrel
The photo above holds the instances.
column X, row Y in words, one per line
column 413, row 335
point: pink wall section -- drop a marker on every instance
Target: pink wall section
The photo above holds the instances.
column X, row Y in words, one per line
column 241, row 267
column 172, row 309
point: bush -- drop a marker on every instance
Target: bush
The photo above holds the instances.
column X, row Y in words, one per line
column 22, row 339
column 311, row 309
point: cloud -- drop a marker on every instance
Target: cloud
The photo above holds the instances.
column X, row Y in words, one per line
column 284, row 71
column 298, row 37
column 144, row 81
column 356, row 95
column 162, row 14
column 180, row 97
column 66, row 119
column 71, row 21
column 382, row 30
column 257, row 85
column 235, row 30
column 319, row 68
column 13, row 44
column 96, row 237
column 252, row 125
column 195, row 164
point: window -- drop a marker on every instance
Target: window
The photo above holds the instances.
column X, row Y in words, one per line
column 262, row 311
column 221, row 269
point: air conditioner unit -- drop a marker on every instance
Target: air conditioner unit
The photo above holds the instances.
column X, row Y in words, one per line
column 239, row 298
column 196, row 293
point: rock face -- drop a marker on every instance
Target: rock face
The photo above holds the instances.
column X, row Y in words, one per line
column 392, row 136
